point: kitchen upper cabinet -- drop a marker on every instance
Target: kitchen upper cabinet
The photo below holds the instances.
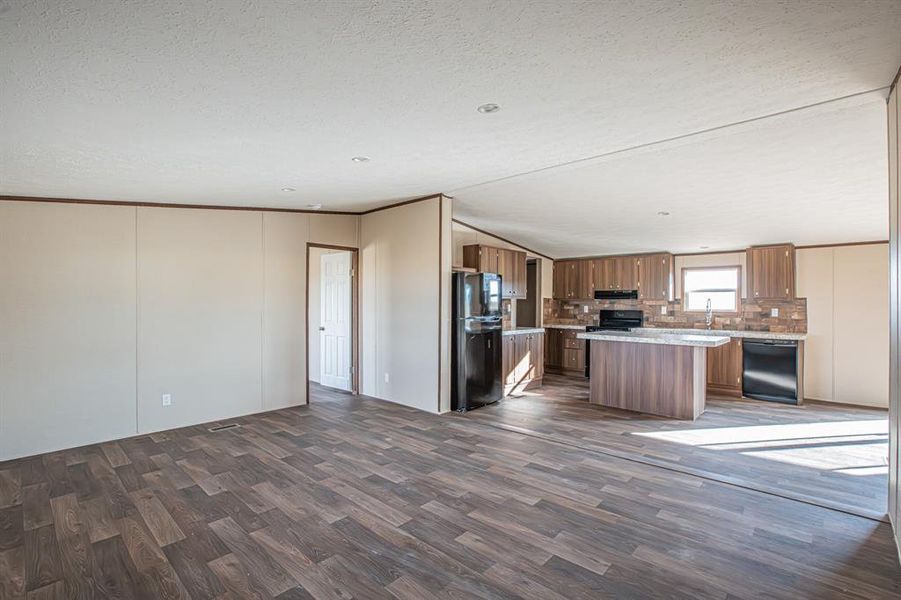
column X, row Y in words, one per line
column 724, row 368
column 512, row 268
column 484, row 259
column 771, row 272
column 522, row 361
column 509, row 264
column 615, row 273
column 573, row 279
column 655, row 276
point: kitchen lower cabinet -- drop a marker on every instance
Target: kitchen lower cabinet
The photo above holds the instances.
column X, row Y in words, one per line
column 522, row 361
column 564, row 352
column 724, row 369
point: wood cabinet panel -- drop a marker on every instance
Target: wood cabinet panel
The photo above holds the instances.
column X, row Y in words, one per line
column 508, row 359
column 573, row 279
column 604, row 273
column 509, row 264
column 626, row 272
column 523, row 360
column 536, row 345
column 724, row 368
column 553, row 348
column 771, row 272
column 655, row 277
column 563, row 351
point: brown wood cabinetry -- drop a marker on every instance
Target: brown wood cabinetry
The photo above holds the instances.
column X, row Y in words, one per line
column 522, row 361
column 509, row 264
column 615, row 273
column 724, row 368
column 564, row 351
column 771, row 272
column 572, row 280
column 553, row 348
column 655, row 276
column 650, row 274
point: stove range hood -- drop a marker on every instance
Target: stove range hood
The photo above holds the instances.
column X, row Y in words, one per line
column 616, row 294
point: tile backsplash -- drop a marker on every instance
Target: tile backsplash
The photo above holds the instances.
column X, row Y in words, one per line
column 754, row 315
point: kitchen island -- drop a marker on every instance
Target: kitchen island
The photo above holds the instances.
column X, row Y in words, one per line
column 661, row 374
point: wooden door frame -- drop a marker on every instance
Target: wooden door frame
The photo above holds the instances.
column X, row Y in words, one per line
column 355, row 314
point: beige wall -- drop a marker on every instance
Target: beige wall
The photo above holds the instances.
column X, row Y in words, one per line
column 105, row 308
column 847, row 348
column 400, row 310
column 815, row 282
column 67, row 325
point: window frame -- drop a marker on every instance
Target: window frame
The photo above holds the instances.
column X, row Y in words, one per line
column 738, row 289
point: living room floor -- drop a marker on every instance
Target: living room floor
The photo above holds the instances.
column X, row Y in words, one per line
column 352, row 497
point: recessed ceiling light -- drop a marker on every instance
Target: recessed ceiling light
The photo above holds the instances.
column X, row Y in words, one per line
column 663, row 213
column 314, row 206
column 487, row 109
column 704, row 247
column 360, row 159
column 289, row 190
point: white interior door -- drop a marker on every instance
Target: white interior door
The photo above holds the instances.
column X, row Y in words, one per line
column 334, row 324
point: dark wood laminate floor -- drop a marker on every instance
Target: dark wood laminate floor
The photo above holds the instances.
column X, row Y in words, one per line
column 357, row 498
column 824, row 453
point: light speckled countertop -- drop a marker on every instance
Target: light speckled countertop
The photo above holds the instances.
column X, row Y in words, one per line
column 732, row 333
column 521, row 330
column 667, row 338
column 740, row 333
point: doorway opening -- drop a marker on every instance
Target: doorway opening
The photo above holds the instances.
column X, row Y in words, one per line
column 528, row 309
column 332, row 317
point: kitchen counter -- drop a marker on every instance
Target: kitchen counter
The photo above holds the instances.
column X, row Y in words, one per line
column 660, row 373
column 664, row 338
column 522, row 330
column 732, row 333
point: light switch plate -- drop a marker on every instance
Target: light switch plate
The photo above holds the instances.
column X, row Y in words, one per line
column 167, row 399
column 774, row 312
column 663, row 309
column 585, row 308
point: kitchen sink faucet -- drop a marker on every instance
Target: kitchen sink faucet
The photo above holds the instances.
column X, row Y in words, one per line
column 709, row 313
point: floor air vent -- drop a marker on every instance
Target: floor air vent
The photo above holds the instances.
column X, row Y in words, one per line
column 223, row 427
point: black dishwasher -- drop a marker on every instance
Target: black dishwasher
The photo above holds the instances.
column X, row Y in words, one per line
column 770, row 370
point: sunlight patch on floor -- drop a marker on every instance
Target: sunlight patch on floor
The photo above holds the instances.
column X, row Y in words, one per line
column 788, row 432
column 857, row 448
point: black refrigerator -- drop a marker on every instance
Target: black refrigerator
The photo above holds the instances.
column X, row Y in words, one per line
column 476, row 341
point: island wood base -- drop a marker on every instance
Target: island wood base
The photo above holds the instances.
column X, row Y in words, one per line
column 659, row 379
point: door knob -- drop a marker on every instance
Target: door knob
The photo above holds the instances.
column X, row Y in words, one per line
column 322, row 329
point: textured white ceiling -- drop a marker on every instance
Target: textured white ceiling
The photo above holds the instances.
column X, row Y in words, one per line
column 228, row 101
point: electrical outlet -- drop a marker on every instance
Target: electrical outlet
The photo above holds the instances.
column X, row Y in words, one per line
column 663, row 309
column 585, row 308
column 774, row 312
column 167, row 399
column 386, row 378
